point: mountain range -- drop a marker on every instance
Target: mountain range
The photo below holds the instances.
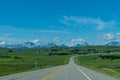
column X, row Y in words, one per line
column 29, row 44
column 113, row 43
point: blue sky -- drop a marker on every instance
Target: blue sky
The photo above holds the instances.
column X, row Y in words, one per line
column 94, row 21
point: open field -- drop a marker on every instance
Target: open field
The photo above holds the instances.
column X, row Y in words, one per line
column 106, row 63
column 21, row 61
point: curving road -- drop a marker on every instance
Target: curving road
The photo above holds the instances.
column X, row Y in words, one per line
column 70, row 71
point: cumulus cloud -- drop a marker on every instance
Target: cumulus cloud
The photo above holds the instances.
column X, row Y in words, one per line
column 109, row 36
column 15, row 29
column 2, row 43
column 87, row 21
column 8, row 35
column 77, row 41
column 56, row 39
column 118, row 34
column 74, row 42
column 36, row 41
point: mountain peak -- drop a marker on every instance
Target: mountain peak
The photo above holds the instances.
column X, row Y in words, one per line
column 113, row 43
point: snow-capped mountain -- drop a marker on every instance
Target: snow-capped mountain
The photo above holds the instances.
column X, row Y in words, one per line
column 83, row 44
column 28, row 44
column 113, row 43
column 38, row 44
column 77, row 43
column 63, row 45
column 51, row 45
column 21, row 45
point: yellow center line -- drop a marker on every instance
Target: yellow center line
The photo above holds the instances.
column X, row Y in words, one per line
column 52, row 74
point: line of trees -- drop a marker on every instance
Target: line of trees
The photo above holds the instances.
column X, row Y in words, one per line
column 110, row 57
column 80, row 50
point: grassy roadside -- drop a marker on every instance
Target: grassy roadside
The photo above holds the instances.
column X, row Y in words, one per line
column 107, row 66
column 20, row 63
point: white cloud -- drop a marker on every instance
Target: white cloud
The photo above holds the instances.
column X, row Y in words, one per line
column 87, row 21
column 15, row 29
column 36, row 41
column 109, row 36
column 3, row 43
column 56, row 39
column 118, row 34
column 8, row 35
column 77, row 41
column 74, row 42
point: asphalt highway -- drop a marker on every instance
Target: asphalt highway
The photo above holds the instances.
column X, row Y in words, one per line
column 70, row 71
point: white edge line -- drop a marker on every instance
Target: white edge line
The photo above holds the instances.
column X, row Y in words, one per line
column 83, row 72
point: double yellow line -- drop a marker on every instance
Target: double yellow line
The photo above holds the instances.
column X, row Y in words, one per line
column 52, row 74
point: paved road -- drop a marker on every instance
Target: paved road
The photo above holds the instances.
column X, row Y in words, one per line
column 66, row 72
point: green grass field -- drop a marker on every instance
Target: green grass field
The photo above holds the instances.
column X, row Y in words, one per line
column 22, row 61
column 108, row 66
column 15, row 60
